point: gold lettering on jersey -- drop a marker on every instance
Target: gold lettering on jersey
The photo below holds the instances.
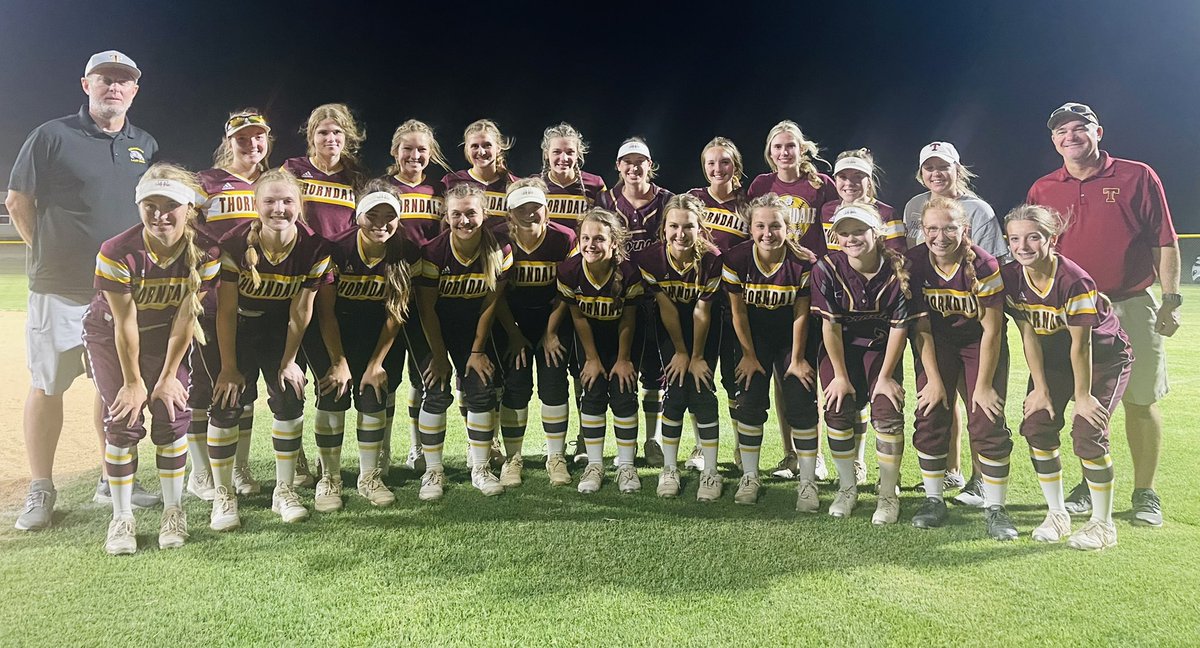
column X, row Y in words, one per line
column 600, row 308
column 726, row 221
column 271, row 287
column 328, row 192
column 367, row 287
column 1045, row 320
column 1111, row 193
column 468, row 286
column 953, row 302
column 681, row 292
column 534, row 273
column 160, row 294
column 495, row 204
column 571, row 207
column 420, row 206
column 768, row 296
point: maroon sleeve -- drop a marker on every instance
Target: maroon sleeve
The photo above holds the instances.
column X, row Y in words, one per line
column 821, row 286
column 1153, row 209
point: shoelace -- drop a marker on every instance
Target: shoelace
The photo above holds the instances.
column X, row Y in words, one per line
column 710, row 481
column 434, row 478
column 174, row 523
column 35, row 499
column 593, row 470
column 225, row 505
column 289, row 496
column 125, row 527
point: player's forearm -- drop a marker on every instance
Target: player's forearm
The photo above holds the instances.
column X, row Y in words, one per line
column 557, row 316
column 583, row 331
column 992, row 320
column 831, row 334
column 625, row 333
column 299, row 314
column 483, row 328
column 701, row 321
column 387, row 337
column 23, row 211
column 182, row 329
column 430, row 324
column 1033, row 355
column 897, row 339
column 800, row 330
column 327, row 323
column 741, row 323
column 227, row 299
column 1166, row 260
column 1081, row 360
column 670, row 320
column 126, row 337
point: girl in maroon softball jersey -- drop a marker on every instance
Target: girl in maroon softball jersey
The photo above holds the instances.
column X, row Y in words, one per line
column 964, row 293
column 683, row 274
column 767, row 279
column 864, row 295
column 228, row 189
column 531, row 331
column 462, row 275
column 794, row 177
column 359, row 318
column 571, row 191
column 271, row 268
column 423, row 204
column 1075, row 348
column 486, row 149
column 856, row 180
column 331, row 171
column 602, row 289
column 639, row 202
column 149, row 280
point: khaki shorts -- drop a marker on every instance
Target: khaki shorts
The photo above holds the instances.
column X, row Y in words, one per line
column 1148, row 380
column 54, row 342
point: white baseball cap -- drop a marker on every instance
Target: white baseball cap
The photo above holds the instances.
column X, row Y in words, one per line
column 634, row 147
column 853, row 162
column 943, row 150
column 854, row 212
column 377, row 198
column 112, row 58
column 172, row 189
column 524, row 196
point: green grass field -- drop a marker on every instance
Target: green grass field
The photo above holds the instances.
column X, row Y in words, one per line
column 542, row 566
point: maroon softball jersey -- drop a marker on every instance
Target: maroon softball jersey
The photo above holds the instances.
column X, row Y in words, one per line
column 495, row 193
column 763, row 288
column 953, row 300
column 459, row 280
column 566, row 203
column 533, row 279
column 867, row 309
column 422, row 208
column 683, row 285
column 362, row 280
column 228, row 202
column 806, row 201
column 1118, row 217
column 603, row 302
column 1071, row 299
column 642, row 222
column 159, row 285
column 305, row 265
column 893, row 225
column 725, row 219
column 328, row 198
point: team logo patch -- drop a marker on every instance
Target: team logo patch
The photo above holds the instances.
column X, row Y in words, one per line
column 306, row 174
column 1111, row 193
column 137, row 155
column 227, row 187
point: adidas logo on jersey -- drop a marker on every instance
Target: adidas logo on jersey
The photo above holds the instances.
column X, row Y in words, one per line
column 227, row 187
column 446, row 270
column 306, row 174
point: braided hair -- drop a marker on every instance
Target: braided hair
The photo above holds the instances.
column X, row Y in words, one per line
column 958, row 216
column 398, row 287
column 619, row 236
column 194, row 257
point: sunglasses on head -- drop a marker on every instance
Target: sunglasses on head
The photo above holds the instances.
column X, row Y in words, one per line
column 245, row 119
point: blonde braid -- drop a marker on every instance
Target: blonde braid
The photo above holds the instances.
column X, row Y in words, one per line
column 194, row 259
column 969, row 258
column 492, row 256
column 398, row 289
column 252, row 254
column 898, row 269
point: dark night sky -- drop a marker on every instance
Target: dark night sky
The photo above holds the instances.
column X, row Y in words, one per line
column 891, row 76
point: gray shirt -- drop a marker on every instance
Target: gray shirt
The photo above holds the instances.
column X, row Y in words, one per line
column 83, row 182
column 985, row 229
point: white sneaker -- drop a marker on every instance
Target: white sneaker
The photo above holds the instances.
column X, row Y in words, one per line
column 860, row 472
column 329, row 493
column 577, row 450
column 385, row 461
column 371, row 486
column 1055, row 528
column 628, row 480
column 174, row 528
column 122, row 536
column 224, row 515
column 844, row 502
column 1094, row 535
column 510, row 472
column 887, row 510
column 695, row 461
column 496, row 454
column 431, row 484
column 806, row 497
column 244, row 482
column 591, row 479
column 485, row 481
column 822, row 473
column 710, row 486
column 787, row 468
column 303, row 478
column 668, row 482
column 200, row 484
column 737, row 456
column 747, row 490
column 286, row 502
column 415, row 460
column 556, row 469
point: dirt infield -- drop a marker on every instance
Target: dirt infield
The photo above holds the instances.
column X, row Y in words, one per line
column 77, row 452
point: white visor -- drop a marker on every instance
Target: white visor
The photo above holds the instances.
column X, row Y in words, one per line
column 524, row 196
column 376, row 198
column 850, row 212
column 629, row 148
column 856, row 163
column 173, row 189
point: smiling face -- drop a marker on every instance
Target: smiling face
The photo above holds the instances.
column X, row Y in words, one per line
column 481, row 150
column 163, row 219
column 855, row 238
column 851, row 184
column 939, row 176
column 595, row 242
column 249, row 146
column 279, row 205
column 379, row 223
column 718, row 165
column 562, row 156
column 1028, row 242
column 530, row 216
column 329, row 139
column 464, row 216
column 634, row 168
column 768, row 229
column 110, row 92
column 785, row 151
column 943, row 234
column 680, row 229
column 412, row 153
column 1077, row 140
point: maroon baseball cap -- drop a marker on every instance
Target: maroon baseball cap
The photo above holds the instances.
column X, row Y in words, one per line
column 1071, row 111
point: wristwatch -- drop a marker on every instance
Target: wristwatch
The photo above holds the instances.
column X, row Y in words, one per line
column 1174, row 300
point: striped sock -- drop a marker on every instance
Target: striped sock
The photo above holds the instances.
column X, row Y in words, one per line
column 995, row 480
column 592, row 427
column 389, row 408
column 625, row 429
column 121, row 465
column 933, row 473
column 651, row 408
column 860, row 434
column 1048, row 466
column 554, row 424
column 889, row 450
column 171, row 460
column 416, row 396
column 245, row 432
column 330, row 433
column 842, row 449
column 433, row 437
column 672, row 431
column 371, row 436
column 512, row 429
column 197, row 441
column 285, row 439
column 749, row 442
column 480, row 432
column 222, row 449
column 805, row 443
column 709, row 433
column 1099, row 476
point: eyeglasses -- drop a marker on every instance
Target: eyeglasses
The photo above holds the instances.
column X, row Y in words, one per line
column 244, row 119
column 949, row 230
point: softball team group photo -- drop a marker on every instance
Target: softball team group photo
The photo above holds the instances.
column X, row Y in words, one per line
column 795, row 301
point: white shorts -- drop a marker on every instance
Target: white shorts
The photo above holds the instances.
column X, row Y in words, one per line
column 54, row 341
column 1148, row 377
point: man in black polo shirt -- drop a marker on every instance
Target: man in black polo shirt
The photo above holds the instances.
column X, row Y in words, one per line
column 72, row 188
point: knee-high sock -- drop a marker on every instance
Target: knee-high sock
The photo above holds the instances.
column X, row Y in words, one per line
column 995, row 480
column 121, row 465
column 625, row 429
column 512, row 428
column 592, row 427
column 672, row 432
column 709, row 432
column 1099, row 476
column 389, row 408
column 433, row 437
column 222, row 450
column 480, row 432
column 330, row 433
column 889, row 450
column 843, row 447
column 285, row 438
column 415, row 398
column 245, row 432
column 750, row 443
column 197, row 441
column 371, row 437
column 1048, row 466
column 805, row 443
column 171, row 460
column 651, row 408
column 933, row 473
column 554, row 424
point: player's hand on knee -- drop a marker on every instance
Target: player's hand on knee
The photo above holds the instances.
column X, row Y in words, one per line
column 291, row 376
column 804, row 373
column 553, row 348
column 746, row 369
column 172, row 393
column 989, row 401
column 591, row 370
column 437, row 373
column 1036, row 401
column 227, row 391
column 481, row 364
column 518, row 351
column 374, row 377
column 890, row 389
column 702, row 373
column 128, row 404
column 1090, row 410
column 625, row 374
column 335, row 381
column 932, row 396
column 836, row 392
column 676, row 369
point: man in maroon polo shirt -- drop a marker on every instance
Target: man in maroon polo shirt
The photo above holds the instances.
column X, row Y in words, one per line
column 1120, row 232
